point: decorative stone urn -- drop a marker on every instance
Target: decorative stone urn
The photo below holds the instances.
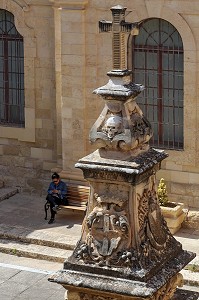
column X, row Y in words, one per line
column 126, row 250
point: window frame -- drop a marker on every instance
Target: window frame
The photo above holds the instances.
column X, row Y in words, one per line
column 27, row 133
column 159, row 142
column 9, row 34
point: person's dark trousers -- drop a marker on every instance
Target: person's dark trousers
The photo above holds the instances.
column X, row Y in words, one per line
column 53, row 201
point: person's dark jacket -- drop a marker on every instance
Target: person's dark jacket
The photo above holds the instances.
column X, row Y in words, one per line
column 61, row 187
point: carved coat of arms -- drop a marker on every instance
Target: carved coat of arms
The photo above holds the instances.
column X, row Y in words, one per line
column 108, row 230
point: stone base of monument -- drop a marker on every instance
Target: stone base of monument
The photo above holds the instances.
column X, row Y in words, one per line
column 89, row 283
column 126, row 250
column 82, row 286
column 180, row 294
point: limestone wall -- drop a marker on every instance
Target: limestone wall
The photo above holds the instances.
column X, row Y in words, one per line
column 25, row 153
column 181, row 168
column 65, row 60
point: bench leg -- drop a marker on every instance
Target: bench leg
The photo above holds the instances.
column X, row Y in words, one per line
column 46, row 207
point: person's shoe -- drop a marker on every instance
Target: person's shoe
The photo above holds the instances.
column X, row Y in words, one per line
column 51, row 221
column 55, row 208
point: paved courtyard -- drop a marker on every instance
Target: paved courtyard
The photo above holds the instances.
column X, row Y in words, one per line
column 22, row 278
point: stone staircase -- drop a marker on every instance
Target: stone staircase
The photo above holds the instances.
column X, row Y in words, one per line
column 18, row 243
column 31, row 250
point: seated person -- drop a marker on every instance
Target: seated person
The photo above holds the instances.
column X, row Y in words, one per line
column 56, row 195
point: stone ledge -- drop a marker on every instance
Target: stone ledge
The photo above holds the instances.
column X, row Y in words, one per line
column 34, row 251
column 32, row 238
column 1, row 183
column 183, row 294
column 6, row 193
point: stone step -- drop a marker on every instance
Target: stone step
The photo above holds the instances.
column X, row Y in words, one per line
column 21, row 234
column 191, row 273
column 34, row 251
column 193, row 266
column 186, row 293
column 8, row 192
column 55, row 254
column 190, row 278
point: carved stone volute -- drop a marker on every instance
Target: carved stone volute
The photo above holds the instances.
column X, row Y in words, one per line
column 121, row 125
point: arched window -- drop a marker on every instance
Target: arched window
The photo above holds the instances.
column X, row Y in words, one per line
column 11, row 72
column 157, row 63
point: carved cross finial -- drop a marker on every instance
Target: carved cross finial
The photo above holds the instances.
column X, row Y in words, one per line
column 118, row 27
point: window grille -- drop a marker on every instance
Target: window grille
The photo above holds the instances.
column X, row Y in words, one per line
column 11, row 72
column 158, row 64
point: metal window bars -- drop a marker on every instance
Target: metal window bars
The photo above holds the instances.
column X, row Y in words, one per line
column 11, row 72
column 158, row 64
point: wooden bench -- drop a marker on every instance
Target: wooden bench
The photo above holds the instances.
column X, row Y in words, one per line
column 77, row 197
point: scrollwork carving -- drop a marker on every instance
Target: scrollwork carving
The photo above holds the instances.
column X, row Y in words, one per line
column 121, row 126
column 156, row 239
column 108, row 231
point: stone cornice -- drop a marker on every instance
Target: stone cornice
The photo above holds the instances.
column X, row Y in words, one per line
column 68, row 4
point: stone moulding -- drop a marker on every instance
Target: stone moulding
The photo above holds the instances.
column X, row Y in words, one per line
column 132, row 171
column 74, row 277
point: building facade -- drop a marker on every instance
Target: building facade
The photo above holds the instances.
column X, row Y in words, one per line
column 53, row 57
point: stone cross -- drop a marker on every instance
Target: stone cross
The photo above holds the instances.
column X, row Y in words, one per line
column 118, row 27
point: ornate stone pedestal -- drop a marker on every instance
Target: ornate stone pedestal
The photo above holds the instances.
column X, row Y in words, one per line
column 126, row 250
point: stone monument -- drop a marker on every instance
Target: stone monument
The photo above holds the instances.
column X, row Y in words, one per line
column 126, row 250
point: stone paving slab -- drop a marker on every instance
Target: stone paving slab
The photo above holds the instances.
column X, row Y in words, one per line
column 189, row 238
column 23, row 215
column 26, row 262
column 25, row 285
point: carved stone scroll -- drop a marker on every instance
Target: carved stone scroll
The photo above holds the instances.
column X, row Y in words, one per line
column 108, row 231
